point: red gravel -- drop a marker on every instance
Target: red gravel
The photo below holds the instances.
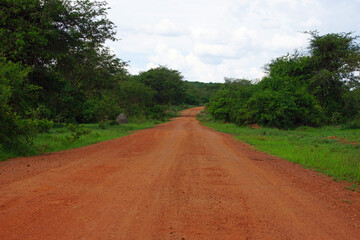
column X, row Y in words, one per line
column 179, row 180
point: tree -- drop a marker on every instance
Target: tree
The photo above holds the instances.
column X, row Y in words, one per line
column 63, row 43
column 167, row 83
column 19, row 120
column 336, row 58
column 134, row 97
column 317, row 88
column 41, row 32
column 198, row 93
column 228, row 103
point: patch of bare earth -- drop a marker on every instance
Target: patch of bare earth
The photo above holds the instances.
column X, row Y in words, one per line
column 179, row 180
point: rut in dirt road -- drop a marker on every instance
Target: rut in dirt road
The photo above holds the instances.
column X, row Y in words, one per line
column 179, row 180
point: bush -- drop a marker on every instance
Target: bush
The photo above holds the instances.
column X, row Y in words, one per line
column 156, row 112
column 76, row 132
column 219, row 105
column 29, row 128
column 352, row 124
column 19, row 121
column 107, row 109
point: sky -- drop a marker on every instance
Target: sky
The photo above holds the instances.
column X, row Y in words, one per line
column 207, row 40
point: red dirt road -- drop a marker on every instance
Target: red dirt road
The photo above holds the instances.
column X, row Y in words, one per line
column 179, row 180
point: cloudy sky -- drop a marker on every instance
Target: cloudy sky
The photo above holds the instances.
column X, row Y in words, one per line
column 207, row 40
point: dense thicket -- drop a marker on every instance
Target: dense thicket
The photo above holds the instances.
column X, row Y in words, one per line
column 199, row 93
column 168, row 85
column 315, row 88
column 55, row 68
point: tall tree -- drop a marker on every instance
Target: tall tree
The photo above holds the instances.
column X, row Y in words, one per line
column 167, row 83
column 63, row 43
column 336, row 58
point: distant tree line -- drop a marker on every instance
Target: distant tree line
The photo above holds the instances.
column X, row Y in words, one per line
column 318, row 87
column 55, row 68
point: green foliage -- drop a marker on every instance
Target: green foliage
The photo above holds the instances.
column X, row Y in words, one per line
column 19, row 121
column 167, row 83
column 282, row 109
column 156, row 112
column 36, row 32
column 352, row 123
column 320, row 149
column 63, row 43
column 228, row 103
column 74, row 77
column 199, row 93
column 107, row 109
column 57, row 139
column 335, row 57
column 219, row 105
column 76, row 132
column 315, row 89
column 134, row 97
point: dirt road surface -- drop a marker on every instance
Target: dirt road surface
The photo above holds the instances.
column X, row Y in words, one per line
column 179, row 180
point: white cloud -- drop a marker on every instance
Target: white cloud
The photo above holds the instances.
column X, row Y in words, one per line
column 311, row 23
column 219, row 50
column 283, row 41
column 165, row 28
column 208, row 40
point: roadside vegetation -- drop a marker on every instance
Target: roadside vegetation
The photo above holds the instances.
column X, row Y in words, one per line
column 332, row 150
column 61, row 87
column 55, row 70
column 72, row 136
column 67, row 136
column 307, row 107
column 317, row 87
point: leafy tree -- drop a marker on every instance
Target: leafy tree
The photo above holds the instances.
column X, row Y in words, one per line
column 134, row 97
column 228, row 103
column 167, row 83
column 39, row 32
column 300, row 89
column 62, row 41
column 199, row 93
column 107, row 109
column 18, row 119
column 336, row 58
column 282, row 109
column 219, row 105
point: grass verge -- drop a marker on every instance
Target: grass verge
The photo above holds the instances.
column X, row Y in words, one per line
column 57, row 139
column 330, row 150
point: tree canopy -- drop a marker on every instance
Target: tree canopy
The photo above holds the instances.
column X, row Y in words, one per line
column 167, row 83
column 55, row 68
column 313, row 88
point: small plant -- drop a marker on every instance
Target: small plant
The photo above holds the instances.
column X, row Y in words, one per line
column 102, row 125
column 353, row 188
column 70, row 127
column 353, row 124
column 29, row 128
column 319, row 149
column 347, row 201
column 112, row 123
column 157, row 112
column 76, row 132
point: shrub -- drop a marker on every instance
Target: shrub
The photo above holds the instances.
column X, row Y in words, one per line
column 19, row 121
column 156, row 112
column 76, row 132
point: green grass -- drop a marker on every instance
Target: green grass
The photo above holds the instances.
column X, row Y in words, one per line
column 311, row 147
column 57, row 139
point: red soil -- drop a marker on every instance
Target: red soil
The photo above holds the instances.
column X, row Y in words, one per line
column 343, row 140
column 179, row 180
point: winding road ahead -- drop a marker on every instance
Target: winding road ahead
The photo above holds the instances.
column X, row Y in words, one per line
column 179, row 180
